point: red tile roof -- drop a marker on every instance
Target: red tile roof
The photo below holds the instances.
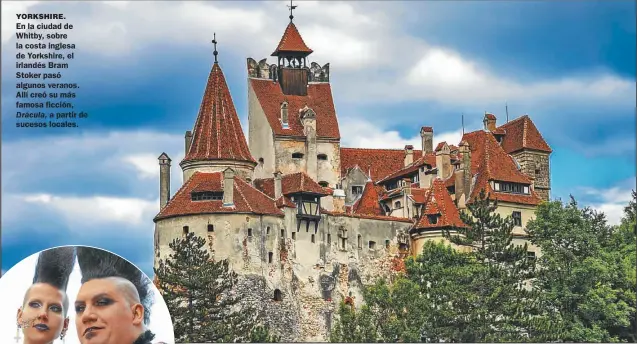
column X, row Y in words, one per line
column 319, row 99
column 427, row 129
column 440, row 145
column 482, row 182
column 246, row 198
column 291, row 42
column 419, row 195
column 369, row 217
column 521, row 133
column 487, row 153
column 428, row 159
column 380, row 162
column 290, row 184
column 369, row 203
column 217, row 133
column 489, row 116
column 438, row 202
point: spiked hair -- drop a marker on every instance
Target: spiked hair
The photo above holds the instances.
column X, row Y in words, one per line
column 96, row 264
column 54, row 268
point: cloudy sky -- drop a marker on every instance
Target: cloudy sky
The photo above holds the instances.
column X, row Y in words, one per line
column 17, row 280
column 142, row 67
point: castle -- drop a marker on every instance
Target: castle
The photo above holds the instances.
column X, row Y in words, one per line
column 306, row 222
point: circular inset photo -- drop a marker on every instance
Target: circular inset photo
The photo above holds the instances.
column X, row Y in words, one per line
column 81, row 295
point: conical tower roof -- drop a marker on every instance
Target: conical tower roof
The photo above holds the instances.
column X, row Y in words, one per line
column 291, row 42
column 217, row 134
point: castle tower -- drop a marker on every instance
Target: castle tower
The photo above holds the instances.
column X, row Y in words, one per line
column 293, row 123
column 217, row 141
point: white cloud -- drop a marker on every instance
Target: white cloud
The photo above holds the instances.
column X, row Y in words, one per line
column 364, row 134
column 9, row 18
column 146, row 165
column 611, row 201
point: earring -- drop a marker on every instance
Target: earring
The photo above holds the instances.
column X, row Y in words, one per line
column 63, row 334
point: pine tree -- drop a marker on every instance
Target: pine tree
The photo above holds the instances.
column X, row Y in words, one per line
column 504, row 306
column 200, row 295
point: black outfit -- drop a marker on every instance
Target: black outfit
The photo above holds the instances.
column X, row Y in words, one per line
column 145, row 338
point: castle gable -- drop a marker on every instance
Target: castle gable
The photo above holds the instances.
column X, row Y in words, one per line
column 203, row 194
column 217, row 133
column 439, row 209
column 319, row 99
column 521, row 133
column 369, row 203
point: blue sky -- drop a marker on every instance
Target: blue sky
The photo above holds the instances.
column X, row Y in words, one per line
column 395, row 67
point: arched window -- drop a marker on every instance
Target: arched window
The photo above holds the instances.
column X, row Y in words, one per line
column 277, row 295
column 261, row 161
column 322, row 156
column 386, row 243
column 297, row 155
column 186, row 230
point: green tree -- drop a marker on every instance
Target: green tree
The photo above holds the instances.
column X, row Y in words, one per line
column 200, row 295
column 502, row 306
column 587, row 272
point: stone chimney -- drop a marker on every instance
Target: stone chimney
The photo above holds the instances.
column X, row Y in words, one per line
column 407, row 186
column 308, row 119
column 443, row 160
column 406, row 193
column 427, row 136
column 164, row 180
column 188, row 139
column 228, row 187
column 409, row 155
column 339, row 200
column 489, row 122
column 278, row 190
column 463, row 176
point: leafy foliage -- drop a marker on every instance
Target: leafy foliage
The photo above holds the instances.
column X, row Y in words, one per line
column 201, row 298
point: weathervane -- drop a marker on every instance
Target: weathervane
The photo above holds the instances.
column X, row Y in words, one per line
column 292, row 8
column 214, row 41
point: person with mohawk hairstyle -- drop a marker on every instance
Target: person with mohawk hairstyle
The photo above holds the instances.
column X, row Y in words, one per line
column 113, row 304
column 43, row 315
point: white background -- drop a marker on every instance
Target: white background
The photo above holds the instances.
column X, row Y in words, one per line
column 17, row 280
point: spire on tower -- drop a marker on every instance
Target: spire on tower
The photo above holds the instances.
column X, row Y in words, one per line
column 214, row 41
column 292, row 8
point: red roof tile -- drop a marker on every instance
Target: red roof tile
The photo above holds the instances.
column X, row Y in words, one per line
column 487, row 153
column 439, row 202
column 380, row 162
column 440, row 145
column 521, row 133
column 246, row 198
column 419, row 195
column 369, row 203
column 428, row 159
column 482, row 182
column 490, row 116
column 369, row 217
column 284, row 201
column 319, row 99
column 427, row 129
column 217, row 133
column 290, row 184
column 291, row 42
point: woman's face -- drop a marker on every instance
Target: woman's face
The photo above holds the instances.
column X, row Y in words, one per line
column 42, row 315
column 106, row 314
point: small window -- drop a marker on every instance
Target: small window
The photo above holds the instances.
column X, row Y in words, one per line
column 530, row 254
column 497, row 187
column 397, row 205
column 322, row 156
column 360, row 242
column 372, row 245
column 324, row 184
column 433, row 219
column 249, row 232
column 517, row 218
column 270, row 254
column 282, row 233
column 537, row 171
column 261, row 161
column 211, row 228
column 313, row 239
column 297, row 155
column 343, row 243
column 186, row 230
column 526, row 190
column 402, row 247
column 293, row 235
column 277, row 295
column 329, row 239
column 357, row 190
column 267, row 230
column 386, row 243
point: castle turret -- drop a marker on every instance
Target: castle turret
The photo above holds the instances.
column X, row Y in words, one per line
column 443, row 160
column 217, row 138
column 164, row 179
column 293, row 73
